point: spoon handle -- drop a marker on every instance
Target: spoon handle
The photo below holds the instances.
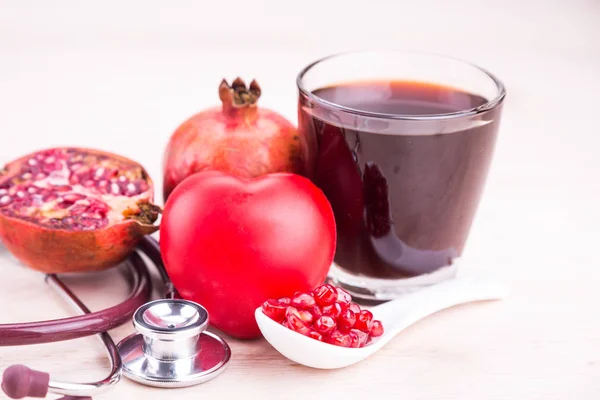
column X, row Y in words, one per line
column 403, row 312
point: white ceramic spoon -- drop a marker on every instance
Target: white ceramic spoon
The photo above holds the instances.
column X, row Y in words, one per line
column 395, row 316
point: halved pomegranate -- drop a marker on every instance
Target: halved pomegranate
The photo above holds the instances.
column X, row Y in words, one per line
column 74, row 210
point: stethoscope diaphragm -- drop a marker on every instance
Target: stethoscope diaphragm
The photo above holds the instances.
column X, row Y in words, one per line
column 172, row 347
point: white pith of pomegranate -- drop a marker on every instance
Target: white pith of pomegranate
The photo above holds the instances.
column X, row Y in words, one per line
column 73, row 189
column 326, row 314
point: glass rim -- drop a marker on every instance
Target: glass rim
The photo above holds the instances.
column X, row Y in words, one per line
column 488, row 105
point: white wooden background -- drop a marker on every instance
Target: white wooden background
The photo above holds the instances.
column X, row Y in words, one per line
column 122, row 75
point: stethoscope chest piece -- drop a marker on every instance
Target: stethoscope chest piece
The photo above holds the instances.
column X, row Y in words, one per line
column 172, row 348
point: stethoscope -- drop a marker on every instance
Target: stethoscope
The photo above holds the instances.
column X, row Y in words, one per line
column 170, row 349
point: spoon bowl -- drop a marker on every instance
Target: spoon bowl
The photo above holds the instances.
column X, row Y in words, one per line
column 395, row 315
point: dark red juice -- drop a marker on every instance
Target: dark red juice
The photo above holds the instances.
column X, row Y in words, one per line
column 403, row 201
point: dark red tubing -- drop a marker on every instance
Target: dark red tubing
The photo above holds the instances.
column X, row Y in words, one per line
column 90, row 324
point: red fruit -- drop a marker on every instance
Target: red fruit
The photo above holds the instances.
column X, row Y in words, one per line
column 74, row 210
column 296, row 324
column 354, row 307
column 230, row 244
column 346, row 320
column 316, row 312
column 285, row 300
column 325, row 295
column 238, row 138
column 343, row 297
column 291, row 311
column 303, row 300
column 274, row 310
column 364, row 321
column 334, row 310
column 361, row 338
column 338, row 338
column 306, row 316
column 376, row 329
column 324, row 324
column 315, row 335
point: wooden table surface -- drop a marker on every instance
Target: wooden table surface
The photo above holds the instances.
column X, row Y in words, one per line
column 122, row 76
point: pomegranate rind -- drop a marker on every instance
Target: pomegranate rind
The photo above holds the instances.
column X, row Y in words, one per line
column 57, row 250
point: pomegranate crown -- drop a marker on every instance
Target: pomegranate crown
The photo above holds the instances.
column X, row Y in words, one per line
column 238, row 95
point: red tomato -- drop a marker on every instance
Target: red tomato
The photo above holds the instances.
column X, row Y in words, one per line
column 230, row 243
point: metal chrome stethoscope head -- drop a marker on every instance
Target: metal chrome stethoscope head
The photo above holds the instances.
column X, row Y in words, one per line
column 172, row 348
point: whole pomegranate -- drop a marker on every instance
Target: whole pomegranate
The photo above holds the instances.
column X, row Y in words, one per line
column 71, row 210
column 238, row 138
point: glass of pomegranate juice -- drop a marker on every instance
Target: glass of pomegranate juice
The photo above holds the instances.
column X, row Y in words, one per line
column 404, row 141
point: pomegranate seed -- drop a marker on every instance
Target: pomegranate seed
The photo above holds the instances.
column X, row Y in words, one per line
column 99, row 173
column 103, row 184
column 32, row 162
column 285, row 300
column 122, row 178
column 303, row 300
column 296, row 324
column 48, row 168
column 325, row 295
column 324, row 324
column 377, row 329
column 49, row 197
column 274, row 310
column 3, row 192
column 361, row 338
column 343, row 297
column 306, row 316
column 64, row 204
column 50, row 160
column 20, row 194
column 346, row 320
column 364, row 321
column 31, row 190
column 40, row 176
column 115, row 189
column 315, row 335
column 316, row 312
column 290, row 310
column 338, row 338
column 354, row 307
column 131, row 188
column 89, row 183
column 73, row 197
column 26, row 176
column 5, row 200
column 334, row 310
column 62, row 188
column 79, row 210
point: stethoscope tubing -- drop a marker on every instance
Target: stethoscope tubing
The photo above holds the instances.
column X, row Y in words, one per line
column 17, row 334
column 116, row 366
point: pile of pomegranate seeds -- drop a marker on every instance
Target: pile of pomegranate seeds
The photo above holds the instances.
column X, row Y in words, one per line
column 327, row 314
column 72, row 189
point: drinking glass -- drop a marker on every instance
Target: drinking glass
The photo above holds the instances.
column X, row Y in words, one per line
column 403, row 144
